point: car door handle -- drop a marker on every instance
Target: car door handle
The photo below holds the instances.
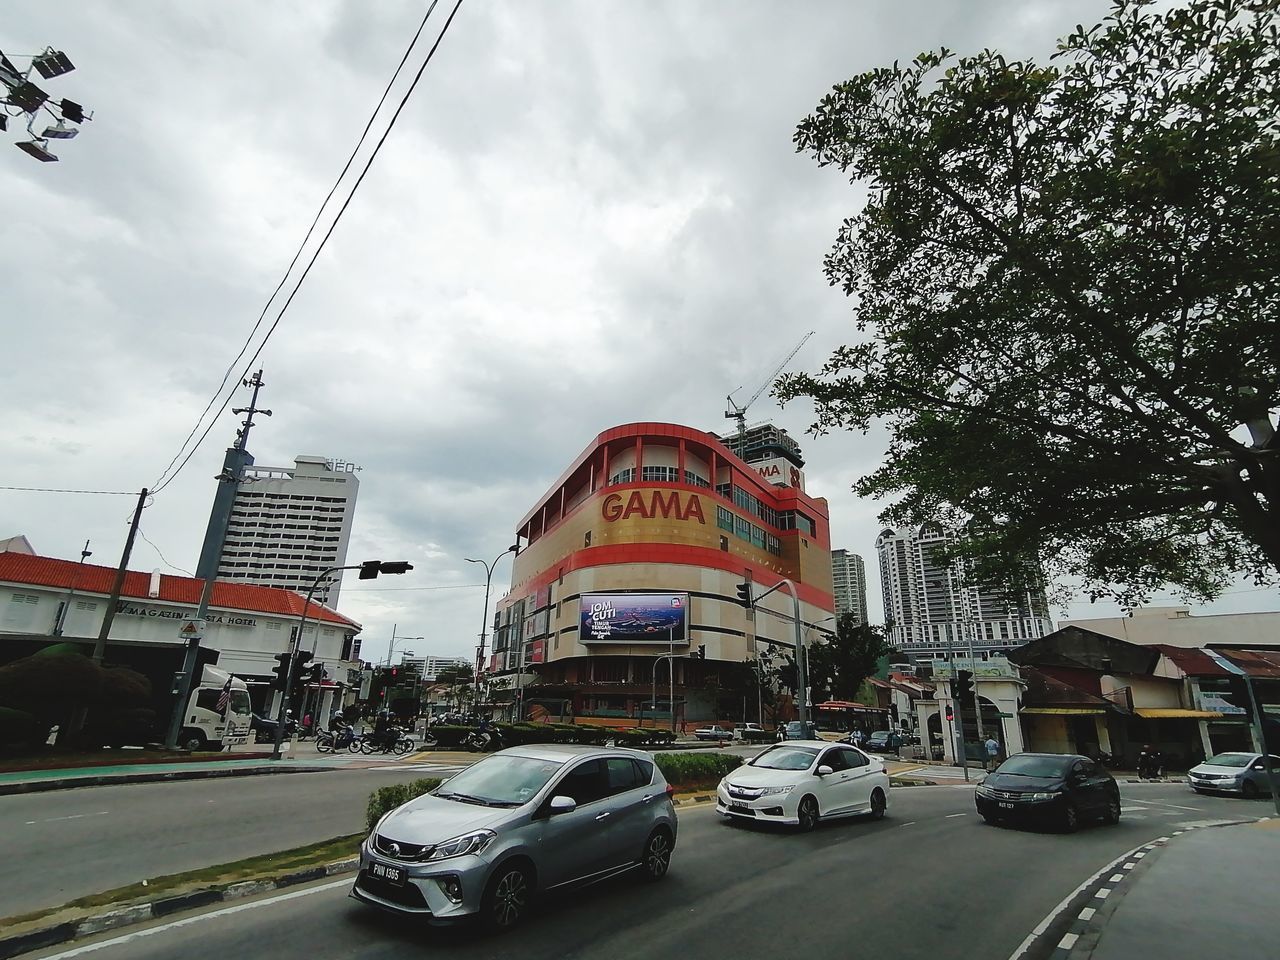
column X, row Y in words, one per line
column 603, row 815
column 648, row 797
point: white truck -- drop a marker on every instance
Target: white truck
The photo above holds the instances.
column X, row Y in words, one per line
column 204, row 726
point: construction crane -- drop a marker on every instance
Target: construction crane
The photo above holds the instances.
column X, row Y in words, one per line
column 739, row 411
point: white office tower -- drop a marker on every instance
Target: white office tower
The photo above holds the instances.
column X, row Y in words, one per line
column 290, row 523
column 928, row 602
column 849, row 575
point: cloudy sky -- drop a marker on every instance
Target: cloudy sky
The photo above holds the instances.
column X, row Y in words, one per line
column 589, row 213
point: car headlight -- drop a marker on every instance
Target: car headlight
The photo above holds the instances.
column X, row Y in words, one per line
column 987, row 792
column 1042, row 796
column 770, row 791
column 462, row 846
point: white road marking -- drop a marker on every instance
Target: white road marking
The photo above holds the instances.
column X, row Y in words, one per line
column 1087, row 913
column 74, row 816
column 909, row 823
column 1068, row 940
column 1116, row 878
column 188, row 921
column 951, row 816
column 1139, row 855
column 1130, row 866
column 1103, row 893
column 1052, row 915
column 1162, row 803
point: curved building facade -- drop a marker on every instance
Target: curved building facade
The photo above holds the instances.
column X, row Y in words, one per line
column 635, row 553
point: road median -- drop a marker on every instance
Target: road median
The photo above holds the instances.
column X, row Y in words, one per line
column 174, row 893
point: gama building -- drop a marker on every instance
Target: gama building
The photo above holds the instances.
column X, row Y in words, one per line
column 635, row 553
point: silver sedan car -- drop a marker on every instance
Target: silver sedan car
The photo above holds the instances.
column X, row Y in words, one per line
column 1242, row 773
column 523, row 820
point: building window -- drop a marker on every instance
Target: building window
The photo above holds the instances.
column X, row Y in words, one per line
column 660, row 474
column 623, row 476
column 741, row 527
column 85, row 605
column 724, row 518
column 694, row 480
column 757, row 536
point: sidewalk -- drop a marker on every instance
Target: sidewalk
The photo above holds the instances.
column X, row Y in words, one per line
column 1208, row 893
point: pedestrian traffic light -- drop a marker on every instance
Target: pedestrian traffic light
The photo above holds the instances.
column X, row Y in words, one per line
column 744, row 593
column 281, row 670
column 963, row 685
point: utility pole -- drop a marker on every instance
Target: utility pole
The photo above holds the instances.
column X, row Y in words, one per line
column 100, row 648
column 237, row 458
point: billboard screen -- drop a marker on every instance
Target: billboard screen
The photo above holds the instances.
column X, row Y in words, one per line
column 634, row 617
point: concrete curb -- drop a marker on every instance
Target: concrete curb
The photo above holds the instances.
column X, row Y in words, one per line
column 115, row 779
column 115, row 916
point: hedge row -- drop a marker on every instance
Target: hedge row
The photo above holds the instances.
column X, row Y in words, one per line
column 689, row 771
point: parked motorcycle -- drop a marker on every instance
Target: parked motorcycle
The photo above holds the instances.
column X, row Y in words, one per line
column 483, row 741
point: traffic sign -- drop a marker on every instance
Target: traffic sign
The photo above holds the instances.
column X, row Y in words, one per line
column 191, row 629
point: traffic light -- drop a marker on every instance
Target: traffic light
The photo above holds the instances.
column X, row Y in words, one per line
column 300, row 665
column 744, row 593
column 281, row 670
column 370, row 569
column 950, row 714
column 175, row 687
column 963, row 686
column 702, row 651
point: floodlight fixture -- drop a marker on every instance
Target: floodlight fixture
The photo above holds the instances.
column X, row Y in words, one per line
column 60, row 131
column 27, row 96
column 37, row 149
column 52, row 63
column 74, row 111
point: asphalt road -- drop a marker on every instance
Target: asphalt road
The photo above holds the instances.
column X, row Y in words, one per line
column 930, row 880
column 71, row 843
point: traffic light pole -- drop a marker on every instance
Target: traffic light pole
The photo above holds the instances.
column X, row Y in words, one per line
column 369, row 570
column 802, row 670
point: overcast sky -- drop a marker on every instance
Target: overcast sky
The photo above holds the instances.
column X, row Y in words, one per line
column 590, row 213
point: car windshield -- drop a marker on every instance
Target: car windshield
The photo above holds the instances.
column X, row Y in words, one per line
column 1029, row 765
column 786, row 758
column 501, row 781
column 1231, row 760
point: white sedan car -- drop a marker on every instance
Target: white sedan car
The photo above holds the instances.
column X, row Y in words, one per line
column 801, row 781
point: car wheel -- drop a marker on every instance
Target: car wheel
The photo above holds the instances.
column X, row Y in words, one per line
column 506, row 898
column 807, row 813
column 657, row 855
column 1070, row 818
column 1250, row 790
column 879, row 803
column 1112, row 814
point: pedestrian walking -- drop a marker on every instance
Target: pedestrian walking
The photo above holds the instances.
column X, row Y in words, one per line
column 993, row 753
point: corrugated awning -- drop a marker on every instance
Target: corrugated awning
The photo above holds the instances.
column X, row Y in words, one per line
column 1064, row 711
column 1173, row 713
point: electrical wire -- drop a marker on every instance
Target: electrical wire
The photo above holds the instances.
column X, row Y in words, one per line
column 171, row 566
column 302, row 246
column 104, row 493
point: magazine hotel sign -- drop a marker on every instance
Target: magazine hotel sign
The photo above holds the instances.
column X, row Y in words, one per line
column 125, row 609
column 652, row 504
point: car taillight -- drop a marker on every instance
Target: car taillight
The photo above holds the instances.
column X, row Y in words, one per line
column 671, row 791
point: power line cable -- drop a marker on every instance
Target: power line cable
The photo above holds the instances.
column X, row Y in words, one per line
column 302, row 246
column 328, row 233
column 171, row 566
column 104, row 493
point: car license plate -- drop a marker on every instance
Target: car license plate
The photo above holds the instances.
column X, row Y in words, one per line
column 384, row 871
column 1006, row 806
column 739, row 808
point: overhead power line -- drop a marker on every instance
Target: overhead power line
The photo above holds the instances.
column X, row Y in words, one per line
column 104, row 493
column 166, row 477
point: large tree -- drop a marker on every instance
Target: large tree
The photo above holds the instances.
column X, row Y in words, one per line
column 1066, row 280
column 840, row 664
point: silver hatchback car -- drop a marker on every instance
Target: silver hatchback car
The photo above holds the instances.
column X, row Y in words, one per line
column 523, row 820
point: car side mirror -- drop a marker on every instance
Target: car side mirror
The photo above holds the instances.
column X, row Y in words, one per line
column 824, row 771
column 561, row 804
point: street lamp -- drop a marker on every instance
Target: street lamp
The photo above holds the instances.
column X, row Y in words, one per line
column 369, row 570
column 484, row 624
column 394, row 641
column 85, row 554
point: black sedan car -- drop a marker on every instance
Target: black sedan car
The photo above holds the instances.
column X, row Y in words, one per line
column 1049, row 790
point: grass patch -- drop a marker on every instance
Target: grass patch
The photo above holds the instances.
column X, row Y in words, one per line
column 253, row 868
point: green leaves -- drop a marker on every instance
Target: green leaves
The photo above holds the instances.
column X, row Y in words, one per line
column 1063, row 277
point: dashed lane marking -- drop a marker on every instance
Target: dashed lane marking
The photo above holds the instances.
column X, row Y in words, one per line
column 1087, row 913
column 1103, row 893
column 1068, row 940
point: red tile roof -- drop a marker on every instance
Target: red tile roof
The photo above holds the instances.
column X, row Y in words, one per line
column 89, row 578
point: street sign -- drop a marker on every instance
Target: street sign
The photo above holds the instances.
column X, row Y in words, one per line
column 191, row 629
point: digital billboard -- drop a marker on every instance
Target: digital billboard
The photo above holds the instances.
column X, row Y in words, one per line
column 634, row 617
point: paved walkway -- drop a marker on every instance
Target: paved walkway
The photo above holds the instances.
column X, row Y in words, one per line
column 1209, row 893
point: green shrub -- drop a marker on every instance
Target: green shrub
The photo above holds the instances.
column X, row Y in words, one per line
column 692, row 770
column 385, row 799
